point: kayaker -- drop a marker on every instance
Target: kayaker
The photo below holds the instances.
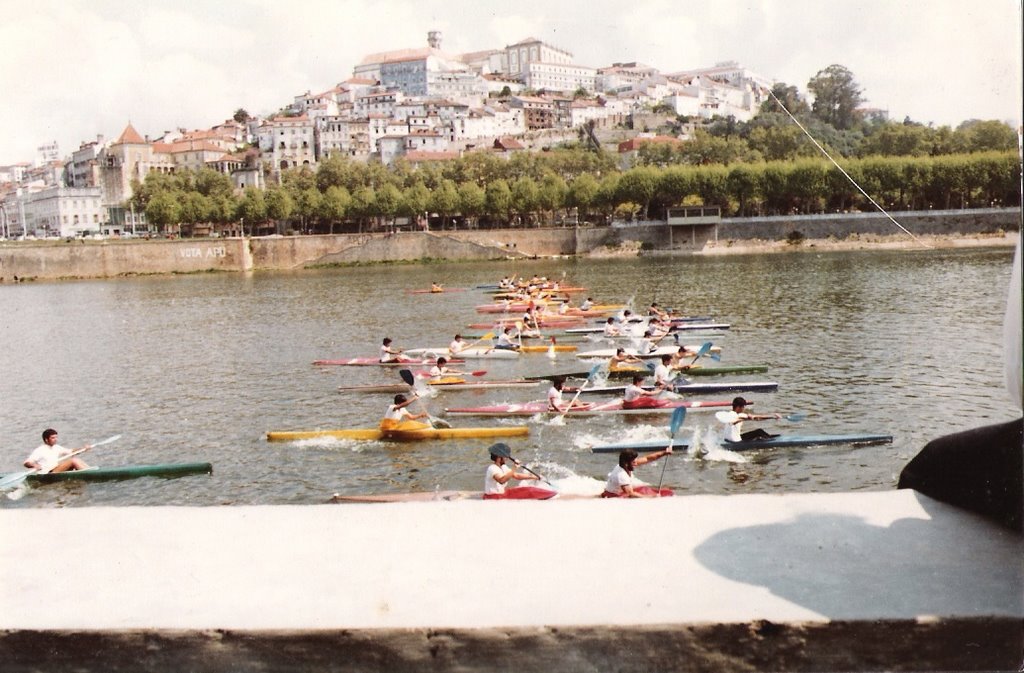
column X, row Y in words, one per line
column 398, row 414
column 52, row 457
column 655, row 312
column 435, row 287
column 663, row 374
column 555, row 401
column 611, row 329
column 683, row 353
column 505, row 341
column 621, row 359
column 499, row 474
column 587, row 304
column 635, row 397
column 457, row 345
column 621, row 482
column 646, row 345
column 389, row 354
column 440, row 369
column 733, row 421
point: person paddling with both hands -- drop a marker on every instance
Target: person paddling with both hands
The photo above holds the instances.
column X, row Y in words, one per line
column 733, row 421
column 398, row 416
column 621, row 482
column 51, row 457
column 499, row 474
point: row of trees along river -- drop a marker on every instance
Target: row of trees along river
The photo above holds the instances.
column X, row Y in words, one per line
column 766, row 166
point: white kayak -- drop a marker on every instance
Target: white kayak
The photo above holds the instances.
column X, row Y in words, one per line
column 472, row 353
column 656, row 353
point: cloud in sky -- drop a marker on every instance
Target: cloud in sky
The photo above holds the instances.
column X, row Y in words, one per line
column 73, row 69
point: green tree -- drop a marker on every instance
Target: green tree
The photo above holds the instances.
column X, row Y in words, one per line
column 837, row 97
column 445, row 201
column 335, row 205
column 389, row 200
column 551, row 195
column 163, row 210
column 415, row 200
column 472, row 200
column 638, row 185
column 364, row 204
column 252, row 209
column 789, row 96
column 499, row 200
column 525, row 198
column 985, row 136
column 308, row 205
column 279, row 206
column 581, row 194
column 240, row 116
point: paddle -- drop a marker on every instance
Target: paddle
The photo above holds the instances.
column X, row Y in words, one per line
column 677, row 420
column 408, row 377
column 501, row 449
column 17, row 478
column 701, row 352
column 590, row 378
column 489, row 335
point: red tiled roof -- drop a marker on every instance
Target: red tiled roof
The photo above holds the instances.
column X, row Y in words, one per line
column 130, row 137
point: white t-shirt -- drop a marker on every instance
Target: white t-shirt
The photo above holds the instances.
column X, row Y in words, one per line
column 633, row 393
column 47, row 457
column 554, row 398
column 397, row 413
column 618, row 478
column 645, row 347
column 662, row 373
column 610, row 329
column 456, row 346
column 386, row 355
column 491, row 485
column 733, row 430
column 505, row 339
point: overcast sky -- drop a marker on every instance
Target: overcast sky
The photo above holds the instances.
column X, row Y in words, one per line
column 72, row 69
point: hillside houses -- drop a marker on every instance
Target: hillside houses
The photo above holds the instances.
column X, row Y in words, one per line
column 412, row 103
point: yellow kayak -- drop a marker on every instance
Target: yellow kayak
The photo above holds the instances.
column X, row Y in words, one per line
column 402, row 435
column 559, row 348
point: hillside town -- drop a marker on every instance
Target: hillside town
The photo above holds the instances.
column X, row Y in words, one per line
column 417, row 104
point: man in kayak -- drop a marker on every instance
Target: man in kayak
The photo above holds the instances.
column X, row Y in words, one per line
column 635, row 397
column 622, row 359
column 587, row 304
column 457, row 345
column 499, row 474
column 680, row 355
column 733, row 421
column 621, row 482
column 389, row 354
column 611, row 329
column 398, row 415
column 555, row 401
column 664, row 377
column 52, row 457
column 441, row 370
column 505, row 341
column 436, row 287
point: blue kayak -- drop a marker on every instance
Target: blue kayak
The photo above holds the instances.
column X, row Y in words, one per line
column 771, row 443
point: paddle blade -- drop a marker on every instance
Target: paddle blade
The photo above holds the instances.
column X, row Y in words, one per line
column 650, row 366
column 407, row 376
column 593, row 373
column 108, row 440
column 795, row 418
column 704, row 349
column 479, row 372
column 678, row 416
column 15, row 479
column 716, row 357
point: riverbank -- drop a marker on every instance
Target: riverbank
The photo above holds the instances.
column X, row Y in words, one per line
column 28, row 260
column 862, row 242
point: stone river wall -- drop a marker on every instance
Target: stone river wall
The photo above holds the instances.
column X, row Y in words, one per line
column 53, row 260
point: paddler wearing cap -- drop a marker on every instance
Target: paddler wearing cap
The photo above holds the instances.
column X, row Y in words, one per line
column 499, row 474
column 733, row 421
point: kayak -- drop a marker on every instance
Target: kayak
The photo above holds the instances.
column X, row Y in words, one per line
column 626, row 372
column 402, row 435
column 441, row 385
column 689, row 388
column 559, row 348
column 511, row 493
column 472, row 353
column 121, row 472
column 773, row 442
column 682, row 327
column 441, row 291
column 369, row 362
column 657, row 406
column 656, row 353
column 545, row 322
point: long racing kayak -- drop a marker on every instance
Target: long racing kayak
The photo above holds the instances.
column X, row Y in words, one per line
column 655, row 406
column 689, row 388
column 656, row 353
column 375, row 362
column 402, row 435
column 680, row 327
column 511, row 493
column 122, row 472
column 471, row 353
column 695, row 370
column 441, row 385
column 770, row 443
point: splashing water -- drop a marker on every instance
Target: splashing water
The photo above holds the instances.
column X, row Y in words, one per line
column 707, row 445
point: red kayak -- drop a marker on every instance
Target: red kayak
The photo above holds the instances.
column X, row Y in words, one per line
column 367, row 362
column 656, row 406
column 642, row 490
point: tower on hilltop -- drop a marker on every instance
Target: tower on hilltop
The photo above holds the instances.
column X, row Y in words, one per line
column 434, row 39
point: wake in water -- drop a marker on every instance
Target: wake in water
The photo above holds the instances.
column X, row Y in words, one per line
column 707, row 445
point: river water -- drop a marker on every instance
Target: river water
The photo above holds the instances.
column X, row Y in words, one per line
column 200, row 367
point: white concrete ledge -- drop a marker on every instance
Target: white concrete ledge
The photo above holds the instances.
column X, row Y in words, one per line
column 506, row 574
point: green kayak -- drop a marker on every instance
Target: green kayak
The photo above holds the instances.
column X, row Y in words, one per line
column 123, row 472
